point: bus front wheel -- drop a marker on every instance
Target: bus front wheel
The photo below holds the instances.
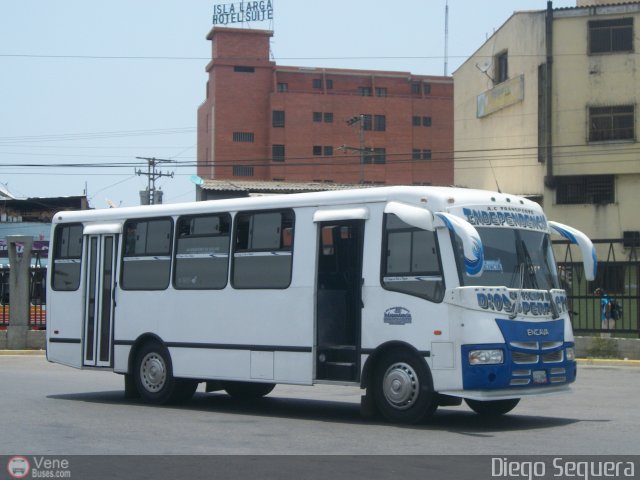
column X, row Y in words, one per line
column 402, row 388
column 492, row 408
column 153, row 375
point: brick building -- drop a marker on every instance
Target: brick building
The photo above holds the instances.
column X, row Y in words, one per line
column 264, row 122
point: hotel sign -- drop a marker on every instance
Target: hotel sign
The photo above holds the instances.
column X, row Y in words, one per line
column 252, row 11
column 501, row 96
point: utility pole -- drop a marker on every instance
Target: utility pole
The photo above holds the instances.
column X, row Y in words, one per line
column 359, row 119
column 151, row 196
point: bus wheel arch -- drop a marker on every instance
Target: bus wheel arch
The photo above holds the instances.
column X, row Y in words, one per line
column 152, row 373
column 398, row 381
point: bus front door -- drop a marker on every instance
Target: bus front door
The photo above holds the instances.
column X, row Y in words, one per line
column 100, row 266
column 339, row 300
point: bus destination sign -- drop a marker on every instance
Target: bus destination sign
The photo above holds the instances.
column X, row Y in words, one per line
column 252, row 11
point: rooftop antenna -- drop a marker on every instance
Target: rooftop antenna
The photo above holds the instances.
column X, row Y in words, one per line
column 446, row 36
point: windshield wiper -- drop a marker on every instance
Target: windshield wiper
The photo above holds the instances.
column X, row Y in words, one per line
column 516, row 305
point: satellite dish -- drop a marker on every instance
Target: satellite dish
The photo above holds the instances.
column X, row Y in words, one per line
column 197, row 180
column 484, row 66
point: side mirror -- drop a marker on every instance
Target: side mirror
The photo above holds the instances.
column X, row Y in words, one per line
column 576, row 237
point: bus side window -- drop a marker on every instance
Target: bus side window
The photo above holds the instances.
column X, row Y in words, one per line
column 202, row 252
column 67, row 254
column 411, row 260
column 146, row 263
column 263, row 253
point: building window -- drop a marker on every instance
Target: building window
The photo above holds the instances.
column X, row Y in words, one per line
column 242, row 171
column 263, row 252
column 277, row 153
column 608, row 36
column 381, row 92
column 317, row 150
column 327, row 151
column 328, row 117
column 146, row 262
column 585, row 189
column 243, row 69
column 418, row 154
column 426, row 88
column 367, row 120
column 364, row 91
column 375, row 155
column 410, row 262
column 415, row 121
column 611, row 123
column 426, row 121
column 416, row 88
column 501, row 67
column 379, row 123
column 202, row 252
column 247, row 137
column 283, row 87
column 316, row 83
column 317, row 116
column 278, row 118
column 329, row 84
column 67, row 257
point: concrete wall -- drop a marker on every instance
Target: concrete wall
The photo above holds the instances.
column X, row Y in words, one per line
column 35, row 339
column 597, row 347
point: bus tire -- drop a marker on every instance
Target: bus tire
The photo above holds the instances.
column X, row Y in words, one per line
column 153, row 374
column 248, row 390
column 402, row 388
column 492, row 408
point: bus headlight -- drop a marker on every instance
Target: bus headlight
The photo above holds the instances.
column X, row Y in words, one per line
column 570, row 354
column 485, row 357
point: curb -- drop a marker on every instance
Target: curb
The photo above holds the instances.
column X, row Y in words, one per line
column 22, row 352
column 611, row 362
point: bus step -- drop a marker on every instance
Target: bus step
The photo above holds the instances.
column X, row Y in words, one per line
column 340, row 370
column 340, row 353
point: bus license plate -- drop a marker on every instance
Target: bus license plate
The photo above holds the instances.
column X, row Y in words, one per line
column 539, row 376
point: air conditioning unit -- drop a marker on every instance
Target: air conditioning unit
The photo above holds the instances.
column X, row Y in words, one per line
column 631, row 239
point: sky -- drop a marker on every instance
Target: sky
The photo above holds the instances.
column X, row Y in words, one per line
column 88, row 86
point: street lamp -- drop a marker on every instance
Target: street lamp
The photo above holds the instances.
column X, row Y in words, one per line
column 359, row 119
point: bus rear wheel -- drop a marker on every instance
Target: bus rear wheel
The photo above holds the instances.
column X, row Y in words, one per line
column 492, row 408
column 154, row 380
column 402, row 388
column 248, row 390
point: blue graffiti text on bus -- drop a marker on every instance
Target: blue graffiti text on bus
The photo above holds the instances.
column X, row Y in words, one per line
column 532, row 303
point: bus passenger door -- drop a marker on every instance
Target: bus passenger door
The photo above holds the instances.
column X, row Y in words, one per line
column 100, row 269
column 339, row 300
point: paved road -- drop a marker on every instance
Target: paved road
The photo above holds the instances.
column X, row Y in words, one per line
column 54, row 410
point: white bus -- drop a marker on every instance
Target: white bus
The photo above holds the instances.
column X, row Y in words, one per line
column 423, row 296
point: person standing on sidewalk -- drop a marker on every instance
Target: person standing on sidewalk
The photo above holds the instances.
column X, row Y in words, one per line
column 607, row 323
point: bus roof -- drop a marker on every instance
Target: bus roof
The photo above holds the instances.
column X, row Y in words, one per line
column 434, row 198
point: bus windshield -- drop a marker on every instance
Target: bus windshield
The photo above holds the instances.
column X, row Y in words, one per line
column 513, row 259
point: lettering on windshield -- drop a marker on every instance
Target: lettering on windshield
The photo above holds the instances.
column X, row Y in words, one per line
column 503, row 216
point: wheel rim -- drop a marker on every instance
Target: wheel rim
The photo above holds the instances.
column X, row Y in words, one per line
column 153, row 372
column 400, row 386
